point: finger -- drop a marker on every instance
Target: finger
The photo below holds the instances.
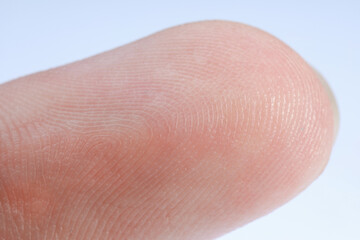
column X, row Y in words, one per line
column 186, row 134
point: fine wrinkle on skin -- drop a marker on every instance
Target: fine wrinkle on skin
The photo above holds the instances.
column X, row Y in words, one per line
column 26, row 206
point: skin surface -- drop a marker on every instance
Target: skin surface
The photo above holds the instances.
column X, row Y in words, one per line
column 186, row 134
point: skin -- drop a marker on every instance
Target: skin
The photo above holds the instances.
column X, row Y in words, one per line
column 186, row 134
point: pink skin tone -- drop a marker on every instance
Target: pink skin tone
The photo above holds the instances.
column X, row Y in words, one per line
column 186, row 134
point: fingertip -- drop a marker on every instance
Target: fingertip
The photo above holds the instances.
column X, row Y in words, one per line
column 333, row 102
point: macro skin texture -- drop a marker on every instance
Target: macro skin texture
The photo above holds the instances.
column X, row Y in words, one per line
column 186, row 134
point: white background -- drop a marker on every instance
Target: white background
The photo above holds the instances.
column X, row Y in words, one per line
column 36, row 35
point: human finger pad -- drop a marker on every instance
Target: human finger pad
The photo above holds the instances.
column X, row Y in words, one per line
column 195, row 131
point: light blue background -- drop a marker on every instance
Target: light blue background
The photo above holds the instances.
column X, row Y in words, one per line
column 37, row 35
